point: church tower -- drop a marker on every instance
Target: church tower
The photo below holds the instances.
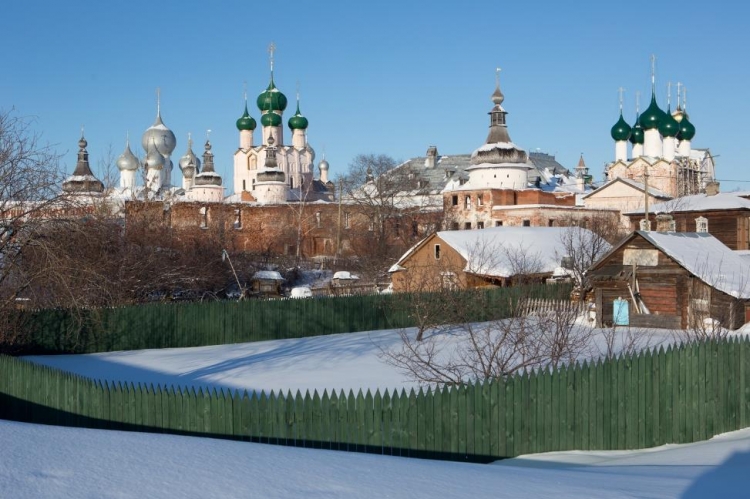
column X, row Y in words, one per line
column 499, row 163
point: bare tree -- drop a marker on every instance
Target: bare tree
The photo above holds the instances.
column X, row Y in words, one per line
column 450, row 347
column 582, row 247
column 30, row 192
column 395, row 208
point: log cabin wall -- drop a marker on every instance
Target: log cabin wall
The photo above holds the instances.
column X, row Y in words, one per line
column 663, row 283
column 731, row 227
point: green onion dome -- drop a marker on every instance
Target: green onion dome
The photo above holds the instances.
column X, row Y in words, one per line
column 621, row 130
column 668, row 126
column 246, row 122
column 298, row 122
column 270, row 119
column 652, row 116
column 687, row 130
column 272, row 99
column 636, row 134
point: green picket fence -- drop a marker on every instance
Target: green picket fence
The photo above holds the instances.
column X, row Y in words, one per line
column 175, row 325
column 678, row 395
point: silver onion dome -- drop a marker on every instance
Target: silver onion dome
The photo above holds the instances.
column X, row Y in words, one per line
column 190, row 159
column 323, row 165
column 162, row 137
column 154, row 159
column 127, row 160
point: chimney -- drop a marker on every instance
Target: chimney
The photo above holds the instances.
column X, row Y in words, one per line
column 665, row 223
column 712, row 188
column 431, row 158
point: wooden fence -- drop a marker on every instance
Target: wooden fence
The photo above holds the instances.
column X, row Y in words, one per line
column 533, row 306
column 175, row 325
column 682, row 394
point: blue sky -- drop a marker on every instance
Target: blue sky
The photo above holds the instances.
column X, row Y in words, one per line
column 376, row 77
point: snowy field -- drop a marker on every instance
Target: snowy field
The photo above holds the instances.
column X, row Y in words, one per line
column 40, row 462
column 50, row 462
column 335, row 362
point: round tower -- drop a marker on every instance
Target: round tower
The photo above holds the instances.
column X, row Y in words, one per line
column 687, row 129
column 128, row 165
column 190, row 166
column 271, row 186
column 499, row 163
column 246, row 124
column 620, row 133
column 668, row 128
column 164, row 142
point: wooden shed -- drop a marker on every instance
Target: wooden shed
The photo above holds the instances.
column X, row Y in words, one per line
column 672, row 280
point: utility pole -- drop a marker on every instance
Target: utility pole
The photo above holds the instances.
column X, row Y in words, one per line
column 645, row 192
column 338, row 229
column 224, row 255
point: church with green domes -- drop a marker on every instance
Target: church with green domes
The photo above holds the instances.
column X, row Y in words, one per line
column 273, row 171
column 657, row 148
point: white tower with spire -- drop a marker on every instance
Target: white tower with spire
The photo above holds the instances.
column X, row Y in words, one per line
column 189, row 165
column 636, row 134
column 499, row 163
column 669, row 142
column 620, row 134
column 128, row 165
column 652, row 145
column 162, row 140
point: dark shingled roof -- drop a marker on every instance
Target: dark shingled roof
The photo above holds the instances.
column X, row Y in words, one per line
column 454, row 167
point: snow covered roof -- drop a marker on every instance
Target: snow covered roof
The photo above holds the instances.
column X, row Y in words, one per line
column 270, row 275
column 707, row 258
column 504, row 251
column 700, row 202
column 635, row 184
column 344, row 274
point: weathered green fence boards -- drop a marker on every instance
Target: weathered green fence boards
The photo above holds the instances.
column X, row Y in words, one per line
column 174, row 325
column 686, row 393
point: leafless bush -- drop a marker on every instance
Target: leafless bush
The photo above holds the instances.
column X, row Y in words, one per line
column 468, row 351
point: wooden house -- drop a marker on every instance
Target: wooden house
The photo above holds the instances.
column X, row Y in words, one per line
column 726, row 216
column 673, row 280
column 497, row 256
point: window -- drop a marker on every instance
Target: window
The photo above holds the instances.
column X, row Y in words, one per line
column 498, row 223
column 480, row 225
column 701, row 224
column 371, row 226
column 317, row 219
column 237, row 219
column 346, row 220
column 454, row 226
column 527, row 223
column 414, row 229
column 291, row 182
column 467, row 226
column 244, row 185
column 437, row 252
column 253, row 184
column 448, row 281
column 467, row 202
column 479, row 200
column 455, row 200
column 550, row 222
column 204, row 217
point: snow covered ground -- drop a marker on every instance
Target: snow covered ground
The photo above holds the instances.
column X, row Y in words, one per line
column 335, row 362
column 39, row 462
column 50, row 462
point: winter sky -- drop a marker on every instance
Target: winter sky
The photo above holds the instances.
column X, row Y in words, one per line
column 375, row 77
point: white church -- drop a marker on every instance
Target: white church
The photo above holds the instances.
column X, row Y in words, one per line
column 267, row 172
